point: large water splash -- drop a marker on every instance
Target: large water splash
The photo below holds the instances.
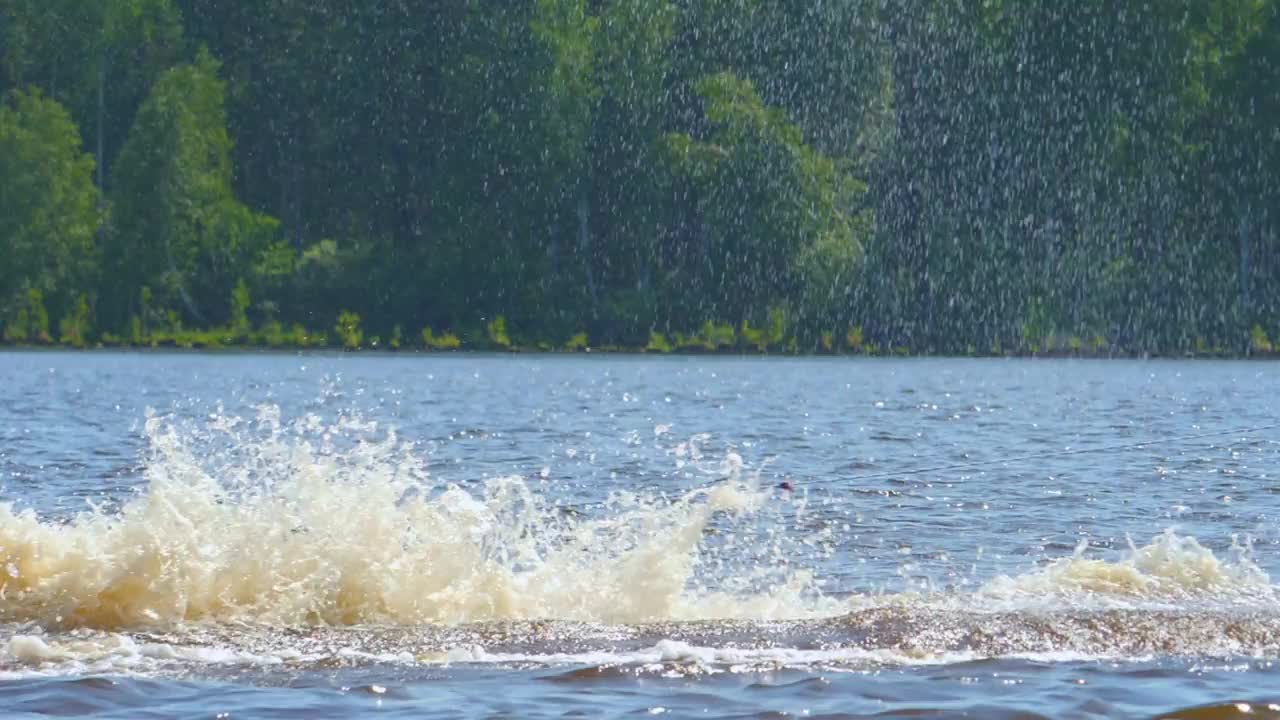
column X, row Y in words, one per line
column 311, row 524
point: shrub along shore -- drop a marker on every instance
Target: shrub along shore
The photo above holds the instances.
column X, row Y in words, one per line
column 348, row 334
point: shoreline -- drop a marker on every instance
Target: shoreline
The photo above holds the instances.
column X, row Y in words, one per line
column 735, row 352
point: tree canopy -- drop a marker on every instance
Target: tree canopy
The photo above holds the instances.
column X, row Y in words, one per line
column 932, row 175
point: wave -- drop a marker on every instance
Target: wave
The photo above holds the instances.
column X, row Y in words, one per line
column 312, row 525
column 916, row 635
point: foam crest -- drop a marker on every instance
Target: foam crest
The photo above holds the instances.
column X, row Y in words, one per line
column 308, row 524
column 1170, row 569
column 679, row 657
column 118, row 651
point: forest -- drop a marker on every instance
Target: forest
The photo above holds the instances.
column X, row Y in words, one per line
column 862, row 176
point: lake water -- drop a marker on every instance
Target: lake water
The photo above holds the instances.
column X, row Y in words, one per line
column 473, row 536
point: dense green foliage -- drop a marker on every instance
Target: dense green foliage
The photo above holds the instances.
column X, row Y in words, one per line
column 929, row 175
column 48, row 214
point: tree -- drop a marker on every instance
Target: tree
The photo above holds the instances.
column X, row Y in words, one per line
column 769, row 215
column 177, row 227
column 516, row 102
column 619, row 249
column 99, row 59
column 48, row 205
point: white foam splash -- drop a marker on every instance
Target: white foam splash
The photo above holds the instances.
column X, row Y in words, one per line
column 343, row 530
